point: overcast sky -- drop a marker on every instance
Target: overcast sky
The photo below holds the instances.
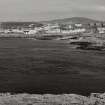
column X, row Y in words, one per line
column 36, row 10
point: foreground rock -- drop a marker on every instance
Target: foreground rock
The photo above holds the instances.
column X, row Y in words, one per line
column 48, row 99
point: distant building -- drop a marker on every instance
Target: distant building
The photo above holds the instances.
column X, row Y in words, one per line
column 31, row 32
column 51, row 26
column 16, row 31
column 70, row 26
column 53, row 30
column 78, row 25
column 74, row 31
column 6, row 31
column 101, row 30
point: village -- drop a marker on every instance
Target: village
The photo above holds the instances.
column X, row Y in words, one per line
column 51, row 28
column 85, row 36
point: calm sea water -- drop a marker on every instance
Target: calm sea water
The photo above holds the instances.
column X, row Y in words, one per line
column 34, row 66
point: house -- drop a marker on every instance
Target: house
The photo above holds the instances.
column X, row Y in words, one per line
column 50, row 26
column 70, row 26
column 31, row 32
column 17, row 31
column 101, row 30
column 78, row 25
column 74, row 31
column 53, row 30
column 6, row 31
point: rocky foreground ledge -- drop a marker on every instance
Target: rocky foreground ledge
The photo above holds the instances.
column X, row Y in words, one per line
column 48, row 99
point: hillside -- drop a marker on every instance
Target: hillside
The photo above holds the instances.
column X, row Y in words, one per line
column 72, row 20
column 9, row 25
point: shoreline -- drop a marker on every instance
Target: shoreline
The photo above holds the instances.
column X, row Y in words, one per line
column 50, row 99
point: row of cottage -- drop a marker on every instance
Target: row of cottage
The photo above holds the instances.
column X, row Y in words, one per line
column 56, row 28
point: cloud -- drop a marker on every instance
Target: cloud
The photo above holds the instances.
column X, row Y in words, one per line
column 101, row 8
column 50, row 9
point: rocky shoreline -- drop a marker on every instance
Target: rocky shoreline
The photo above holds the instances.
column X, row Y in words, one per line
column 48, row 99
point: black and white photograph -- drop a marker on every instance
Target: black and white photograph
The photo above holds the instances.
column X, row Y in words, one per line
column 52, row 52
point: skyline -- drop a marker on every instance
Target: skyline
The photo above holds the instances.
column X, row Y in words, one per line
column 38, row 10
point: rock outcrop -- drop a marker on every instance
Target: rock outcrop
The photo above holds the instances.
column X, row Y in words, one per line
column 48, row 99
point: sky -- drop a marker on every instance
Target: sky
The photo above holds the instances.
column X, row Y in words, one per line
column 38, row 10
